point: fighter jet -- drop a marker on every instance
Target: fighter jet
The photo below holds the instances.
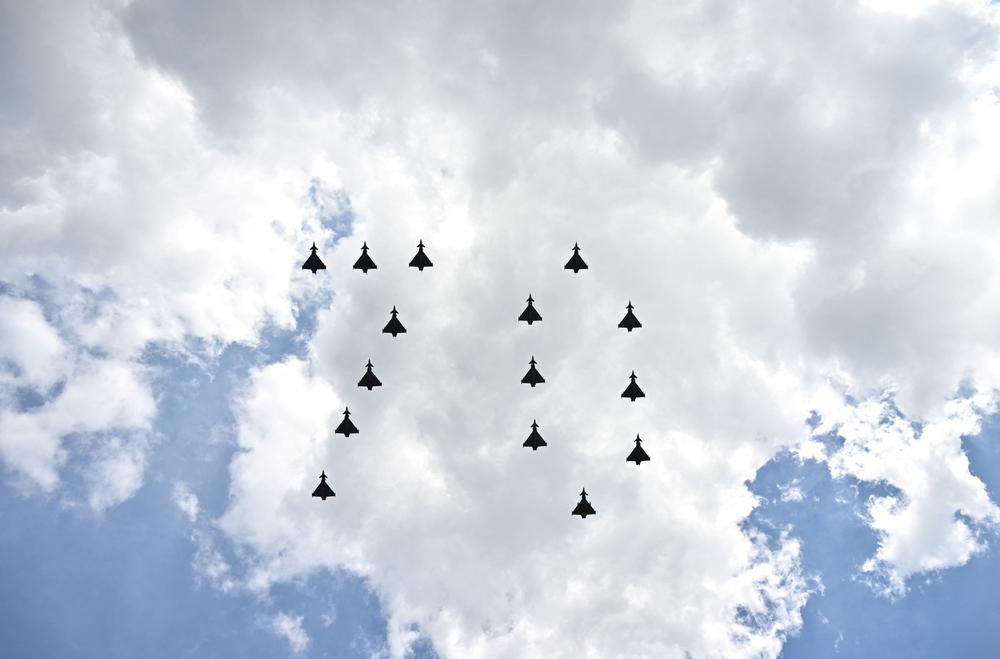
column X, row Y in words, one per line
column 420, row 261
column 346, row 426
column 633, row 391
column 575, row 263
column 323, row 490
column 534, row 439
column 394, row 327
column 532, row 377
column 638, row 454
column 530, row 314
column 313, row 262
column 584, row 508
column 629, row 322
column 364, row 262
column 368, row 379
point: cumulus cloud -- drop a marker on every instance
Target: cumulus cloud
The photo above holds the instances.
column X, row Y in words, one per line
column 933, row 518
column 30, row 345
column 741, row 201
column 128, row 229
column 798, row 202
column 490, row 515
column 98, row 395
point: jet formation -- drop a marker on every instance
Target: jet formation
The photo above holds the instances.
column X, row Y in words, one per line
column 533, row 377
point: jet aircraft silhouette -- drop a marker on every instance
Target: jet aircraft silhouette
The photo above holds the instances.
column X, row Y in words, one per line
column 368, row 379
column 534, row 439
column 584, row 508
column 530, row 314
column 364, row 262
column 576, row 263
column 323, row 490
column 532, row 377
column 633, row 391
column 638, row 454
column 313, row 262
column 394, row 327
column 346, row 426
column 420, row 261
column 629, row 322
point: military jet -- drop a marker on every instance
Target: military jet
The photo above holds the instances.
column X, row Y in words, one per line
column 530, row 314
column 323, row 490
column 584, row 508
column 313, row 262
column 638, row 454
column 633, row 391
column 532, row 377
column 420, row 261
column 368, row 379
column 534, row 439
column 576, row 263
column 364, row 262
column 629, row 322
column 394, row 327
column 346, row 426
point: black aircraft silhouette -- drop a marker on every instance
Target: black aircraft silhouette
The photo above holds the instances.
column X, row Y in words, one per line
column 530, row 314
column 313, row 263
column 323, row 490
column 630, row 322
column 394, row 327
column 633, row 391
column 532, row 377
column 638, row 454
column 368, row 379
column 346, row 426
column 364, row 262
column 534, row 439
column 575, row 263
column 420, row 261
column 584, row 508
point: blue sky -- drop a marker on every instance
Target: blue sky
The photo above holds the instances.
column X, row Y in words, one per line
column 800, row 204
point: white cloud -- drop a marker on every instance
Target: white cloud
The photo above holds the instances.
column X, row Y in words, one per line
column 290, row 627
column 926, row 526
column 98, row 396
column 209, row 565
column 117, row 472
column 30, row 344
column 132, row 229
column 791, row 491
column 498, row 518
column 186, row 501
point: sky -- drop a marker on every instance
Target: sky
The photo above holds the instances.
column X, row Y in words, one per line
column 800, row 201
